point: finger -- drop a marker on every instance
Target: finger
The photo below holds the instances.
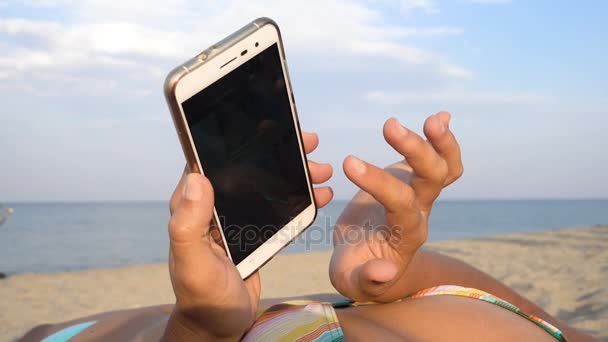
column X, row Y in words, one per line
column 216, row 236
column 436, row 129
column 429, row 168
column 374, row 275
column 319, row 173
column 177, row 193
column 254, row 287
column 311, row 141
column 189, row 225
column 323, row 195
column 396, row 196
column 400, row 202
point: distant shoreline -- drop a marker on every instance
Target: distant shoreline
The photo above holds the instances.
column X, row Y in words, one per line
column 474, row 200
column 324, row 250
column 63, row 237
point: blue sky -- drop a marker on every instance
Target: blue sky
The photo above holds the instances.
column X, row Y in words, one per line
column 84, row 118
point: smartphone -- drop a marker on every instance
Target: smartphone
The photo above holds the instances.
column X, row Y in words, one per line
column 235, row 116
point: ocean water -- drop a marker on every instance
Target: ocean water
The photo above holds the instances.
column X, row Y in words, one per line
column 53, row 237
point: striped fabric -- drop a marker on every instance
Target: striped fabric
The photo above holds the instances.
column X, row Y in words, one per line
column 66, row 334
column 311, row 321
column 300, row 320
column 315, row 321
column 451, row 290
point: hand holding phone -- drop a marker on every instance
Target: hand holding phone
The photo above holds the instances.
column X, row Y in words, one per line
column 235, row 115
column 212, row 299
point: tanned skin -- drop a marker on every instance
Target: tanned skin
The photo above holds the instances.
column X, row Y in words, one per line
column 391, row 212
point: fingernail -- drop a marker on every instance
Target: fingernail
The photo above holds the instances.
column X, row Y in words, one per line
column 358, row 165
column 447, row 123
column 441, row 124
column 192, row 190
column 400, row 129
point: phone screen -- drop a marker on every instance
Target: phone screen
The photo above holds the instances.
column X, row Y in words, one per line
column 245, row 136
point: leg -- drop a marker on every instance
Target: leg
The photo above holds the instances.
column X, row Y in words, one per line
column 123, row 325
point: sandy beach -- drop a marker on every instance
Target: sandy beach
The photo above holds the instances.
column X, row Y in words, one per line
column 564, row 271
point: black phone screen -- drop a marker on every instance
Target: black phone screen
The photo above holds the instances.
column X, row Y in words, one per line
column 245, row 136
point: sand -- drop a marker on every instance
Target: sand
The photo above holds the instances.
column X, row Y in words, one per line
column 564, row 271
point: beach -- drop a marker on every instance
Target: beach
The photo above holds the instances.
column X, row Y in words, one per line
column 565, row 271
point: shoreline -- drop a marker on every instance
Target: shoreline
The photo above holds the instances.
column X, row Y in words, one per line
column 565, row 271
column 319, row 250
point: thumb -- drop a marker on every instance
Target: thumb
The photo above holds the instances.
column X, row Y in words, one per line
column 189, row 226
column 374, row 276
column 361, row 279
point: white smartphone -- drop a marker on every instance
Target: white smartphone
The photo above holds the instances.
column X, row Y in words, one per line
column 236, row 119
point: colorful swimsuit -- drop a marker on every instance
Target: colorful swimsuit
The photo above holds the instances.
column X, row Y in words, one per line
column 316, row 321
column 304, row 320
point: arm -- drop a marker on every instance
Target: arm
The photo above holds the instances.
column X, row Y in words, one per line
column 428, row 268
column 213, row 303
column 378, row 238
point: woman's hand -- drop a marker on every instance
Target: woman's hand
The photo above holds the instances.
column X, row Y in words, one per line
column 378, row 234
column 212, row 301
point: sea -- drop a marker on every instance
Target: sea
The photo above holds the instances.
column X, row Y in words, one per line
column 57, row 237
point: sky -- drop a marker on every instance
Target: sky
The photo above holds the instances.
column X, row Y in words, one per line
column 83, row 116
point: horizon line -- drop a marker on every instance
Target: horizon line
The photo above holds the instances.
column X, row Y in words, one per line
column 480, row 199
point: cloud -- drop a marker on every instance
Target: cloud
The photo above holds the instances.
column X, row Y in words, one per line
column 427, row 6
column 84, row 78
column 410, row 55
column 488, row 2
column 148, row 37
column 28, row 27
column 455, row 97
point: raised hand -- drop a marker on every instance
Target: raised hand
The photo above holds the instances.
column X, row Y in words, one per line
column 212, row 301
column 379, row 233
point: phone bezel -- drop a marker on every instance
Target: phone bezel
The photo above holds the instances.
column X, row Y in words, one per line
column 194, row 81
